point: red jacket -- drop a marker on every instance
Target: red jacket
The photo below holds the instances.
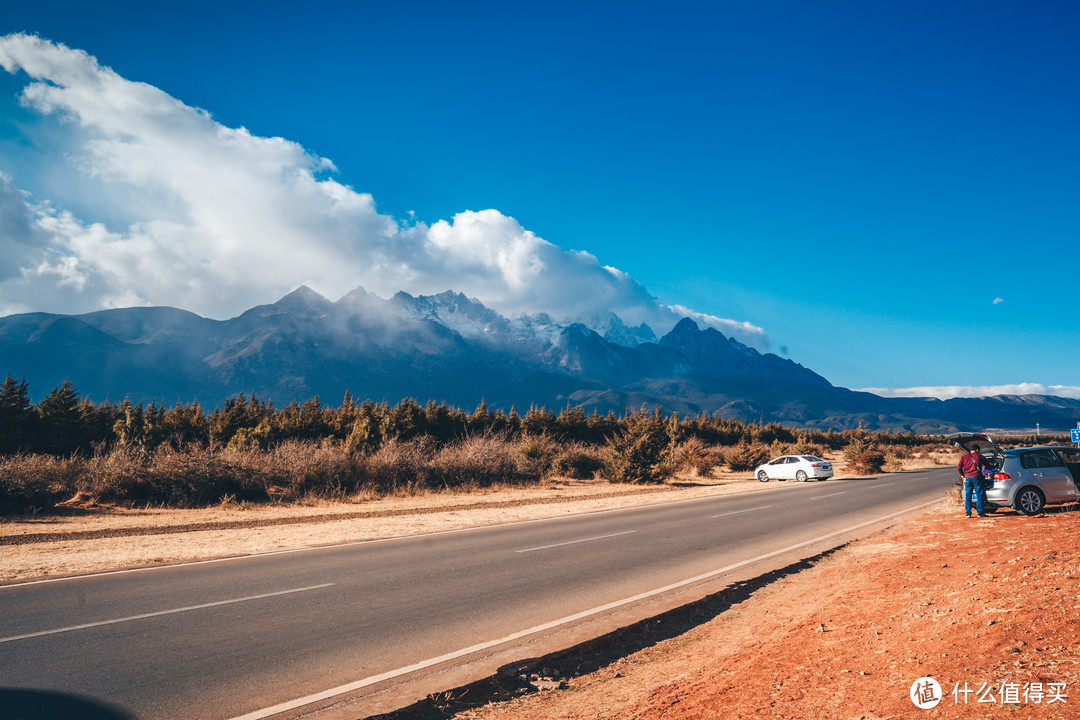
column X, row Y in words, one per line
column 971, row 465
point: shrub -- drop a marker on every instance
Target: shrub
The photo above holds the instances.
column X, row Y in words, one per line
column 637, row 454
column 32, row 483
column 777, row 448
column 900, row 452
column 367, row 433
column 577, row 461
column 696, row 456
column 747, row 456
column 303, row 468
column 868, row 463
column 478, row 461
column 804, row 447
column 893, row 463
column 118, row 476
column 399, row 465
column 954, row 497
column 192, row 479
column 251, row 438
column 537, row 453
column 863, row 456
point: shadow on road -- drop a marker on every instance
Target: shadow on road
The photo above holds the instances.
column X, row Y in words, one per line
column 42, row 705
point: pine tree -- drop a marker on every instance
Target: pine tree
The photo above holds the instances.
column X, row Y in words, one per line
column 61, row 426
column 407, row 419
column 16, row 416
column 637, row 453
column 129, row 428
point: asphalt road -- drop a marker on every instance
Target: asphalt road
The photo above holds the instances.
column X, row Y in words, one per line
column 222, row 639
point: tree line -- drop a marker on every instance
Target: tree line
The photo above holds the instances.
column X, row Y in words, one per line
column 64, row 424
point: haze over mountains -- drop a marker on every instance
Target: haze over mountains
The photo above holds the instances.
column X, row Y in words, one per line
column 450, row 348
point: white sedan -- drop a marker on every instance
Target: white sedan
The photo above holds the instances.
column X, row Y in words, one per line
column 795, row 467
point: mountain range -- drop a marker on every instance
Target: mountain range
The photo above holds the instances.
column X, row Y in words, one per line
column 453, row 349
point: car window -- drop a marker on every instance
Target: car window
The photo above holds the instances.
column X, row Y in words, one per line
column 811, row 458
column 1034, row 459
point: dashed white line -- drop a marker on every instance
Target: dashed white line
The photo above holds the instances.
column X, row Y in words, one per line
column 736, row 512
column 162, row 612
column 574, row 542
column 881, row 485
column 819, row 497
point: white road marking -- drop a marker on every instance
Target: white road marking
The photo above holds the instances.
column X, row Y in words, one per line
column 354, row 543
column 360, row 684
column 163, row 612
column 736, row 512
column 574, row 542
column 829, row 495
column 881, row 485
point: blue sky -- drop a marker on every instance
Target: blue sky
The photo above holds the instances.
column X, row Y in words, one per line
column 887, row 193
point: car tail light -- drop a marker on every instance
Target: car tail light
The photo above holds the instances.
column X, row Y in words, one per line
column 1002, row 476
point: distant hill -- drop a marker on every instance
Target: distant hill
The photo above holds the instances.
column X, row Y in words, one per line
column 450, row 348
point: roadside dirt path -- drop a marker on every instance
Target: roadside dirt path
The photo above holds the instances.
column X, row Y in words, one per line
column 22, row 536
column 83, row 539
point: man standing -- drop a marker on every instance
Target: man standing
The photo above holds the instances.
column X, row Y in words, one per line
column 970, row 468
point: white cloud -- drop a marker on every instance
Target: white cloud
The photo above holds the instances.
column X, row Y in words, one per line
column 944, row 392
column 998, row 301
column 20, row 241
column 743, row 331
column 214, row 219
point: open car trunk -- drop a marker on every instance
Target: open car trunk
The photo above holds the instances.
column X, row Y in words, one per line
column 1071, row 457
column 994, row 455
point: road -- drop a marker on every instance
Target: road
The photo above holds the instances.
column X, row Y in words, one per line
column 223, row 639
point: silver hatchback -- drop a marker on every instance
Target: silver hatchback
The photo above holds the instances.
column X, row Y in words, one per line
column 1026, row 479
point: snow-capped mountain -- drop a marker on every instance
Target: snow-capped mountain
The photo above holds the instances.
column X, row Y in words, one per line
column 445, row 347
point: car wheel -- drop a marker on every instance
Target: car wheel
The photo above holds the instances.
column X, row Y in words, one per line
column 801, row 476
column 1030, row 501
column 762, row 476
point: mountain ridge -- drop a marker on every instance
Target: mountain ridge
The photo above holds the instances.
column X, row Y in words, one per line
column 451, row 348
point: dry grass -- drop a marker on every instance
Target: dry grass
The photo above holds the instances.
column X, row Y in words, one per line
column 694, row 455
column 291, row 471
column 954, row 501
column 303, row 470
